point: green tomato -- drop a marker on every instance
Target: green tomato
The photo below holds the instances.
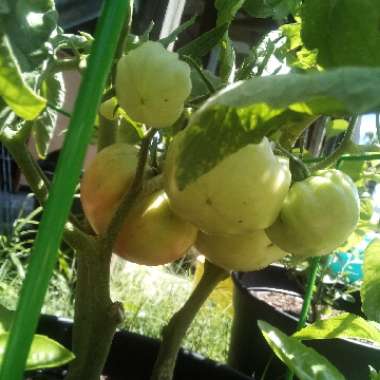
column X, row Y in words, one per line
column 318, row 214
column 152, row 85
column 242, row 193
column 239, row 252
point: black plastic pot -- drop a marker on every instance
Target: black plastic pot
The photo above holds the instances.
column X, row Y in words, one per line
column 249, row 353
column 132, row 356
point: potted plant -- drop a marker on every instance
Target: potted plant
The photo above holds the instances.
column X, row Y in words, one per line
column 178, row 164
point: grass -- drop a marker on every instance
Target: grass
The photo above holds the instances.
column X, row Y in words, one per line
column 152, row 294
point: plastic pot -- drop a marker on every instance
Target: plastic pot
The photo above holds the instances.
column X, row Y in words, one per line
column 132, row 356
column 249, row 352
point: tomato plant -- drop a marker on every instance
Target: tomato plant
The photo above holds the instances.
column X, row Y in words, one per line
column 236, row 162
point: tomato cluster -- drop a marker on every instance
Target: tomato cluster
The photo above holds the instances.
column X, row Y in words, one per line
column 243, row 214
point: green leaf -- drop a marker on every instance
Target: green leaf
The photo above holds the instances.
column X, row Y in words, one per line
column 370, row 289
column 176, row 32
column 227, row 10
column 13, row 89
column 29, row 26
column 204, row 43
column 304, row 361
column 345, row 32
column 246, row 111
column 198, row 86
column 277, row 9
column 43, row 127
column 44, row 353
column 345, row 325
column 366, row 209
column 336, row 127
column 293, row 50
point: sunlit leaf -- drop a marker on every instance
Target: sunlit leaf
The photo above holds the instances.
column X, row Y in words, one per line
column 44, row 353
column 304, row 361
column 13, row 88
column 370, row 289
column 345, row 325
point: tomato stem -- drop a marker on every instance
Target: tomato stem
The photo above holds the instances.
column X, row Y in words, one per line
column 334, row 157
column 174, row 332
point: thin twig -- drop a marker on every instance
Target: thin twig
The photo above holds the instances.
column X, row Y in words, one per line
column 109, row 238
column 333, row 157
column 178, row 325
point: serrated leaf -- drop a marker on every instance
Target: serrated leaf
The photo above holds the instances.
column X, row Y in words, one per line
column 204, row 43
column 29, row 26
column 44, row 353
column 345, row 32
column 166, row 41
column 43, row 127
column 345, row 325
column 304, row 361
column 246, row 111
column 370, row 289
column 13, row 88
column 293, row 50
column 227, row 10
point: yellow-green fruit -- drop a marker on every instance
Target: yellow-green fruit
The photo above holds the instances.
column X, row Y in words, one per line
column 318, row 214
column 239, row 252
column 241, row 194
column 151, row 234
column 105, row 181
column 152, row 85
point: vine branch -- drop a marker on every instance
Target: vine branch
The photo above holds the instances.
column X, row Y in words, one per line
column 174, row 332
column 333, row 157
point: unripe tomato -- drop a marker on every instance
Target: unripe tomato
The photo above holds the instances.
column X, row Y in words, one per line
column 105, row 181
column 318, row 214
column 152, row 85
column 151, row 233
column 239, row 252
column 241, row 194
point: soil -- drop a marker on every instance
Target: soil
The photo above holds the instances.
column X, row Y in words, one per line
column 290, row 303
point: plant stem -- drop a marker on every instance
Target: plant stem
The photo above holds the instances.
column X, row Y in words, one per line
column 333, row 157
column 74, row 237
column 109, row 238
column 312, row 276
column 96, row 316
column 174, row 332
